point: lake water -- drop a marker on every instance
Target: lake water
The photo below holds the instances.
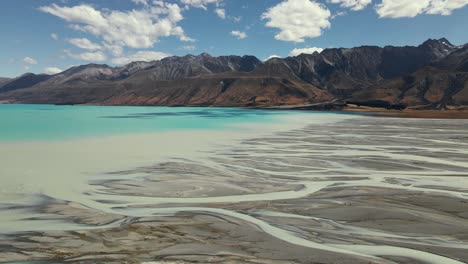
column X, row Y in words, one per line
column 49, row 122
column 363, row 187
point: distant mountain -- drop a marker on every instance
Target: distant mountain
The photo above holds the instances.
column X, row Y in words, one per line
column 3, row 81
column 24, row 81
column 172, row 68
column 431, row 75
column 176, row 68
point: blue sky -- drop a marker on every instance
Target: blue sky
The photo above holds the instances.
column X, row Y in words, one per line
column 52, row 35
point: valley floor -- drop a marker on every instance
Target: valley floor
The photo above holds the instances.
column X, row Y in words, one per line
column 363, row 190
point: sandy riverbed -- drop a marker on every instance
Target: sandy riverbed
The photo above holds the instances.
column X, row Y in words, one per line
column 359, row 190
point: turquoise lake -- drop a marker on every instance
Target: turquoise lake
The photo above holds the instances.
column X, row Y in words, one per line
column 44, row 122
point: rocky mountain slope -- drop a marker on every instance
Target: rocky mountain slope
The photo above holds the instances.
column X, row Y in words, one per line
column 24, row 81
column 431, row 75
column 438, row 85
column 4, row 80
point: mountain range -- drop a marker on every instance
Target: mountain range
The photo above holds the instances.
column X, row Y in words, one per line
column 432, row 75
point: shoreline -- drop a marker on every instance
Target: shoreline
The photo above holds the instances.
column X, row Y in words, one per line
column 344, row 108
column 333, row 107
column 410, row 113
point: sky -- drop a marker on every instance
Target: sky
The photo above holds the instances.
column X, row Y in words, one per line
column 48, row 36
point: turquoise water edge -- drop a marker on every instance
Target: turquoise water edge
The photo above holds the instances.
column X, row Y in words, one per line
column 46, row 122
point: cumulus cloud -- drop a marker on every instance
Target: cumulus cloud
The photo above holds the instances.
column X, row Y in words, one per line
column 200, row 3
column 54, row 36
column 221, row 13
column 401, row 8
column 115, row 50
column 140, row 2
column 239, row 34
column 88, row 56
column 29, row 60
column 408, row 8
column 137, row 28
column 309, row 50
column 84, row 43
column 445, row 7
column 52, row 70
column 297, row 19
column 141, row 56
column 352, row 4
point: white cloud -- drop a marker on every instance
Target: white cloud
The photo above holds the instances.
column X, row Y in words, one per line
column 140, row 2
column 297, row 19
column 338, row 14
column 52, row 70
column 188, row 47
column 84, row 43
column 401, row 8
column 115, row 50
column 221, row 13
column 445, row 7
column 352, row 4
column 236, row 19
column 200, row 3
column 29, row 60
column 309, row 50
column 141, row 56
column 239, row 34
column 54, row 36
column 409, row 8
column 88, row 56
column 137, row 28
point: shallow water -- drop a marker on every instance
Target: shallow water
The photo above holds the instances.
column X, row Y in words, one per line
column 50, row 122
column 143, row 162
